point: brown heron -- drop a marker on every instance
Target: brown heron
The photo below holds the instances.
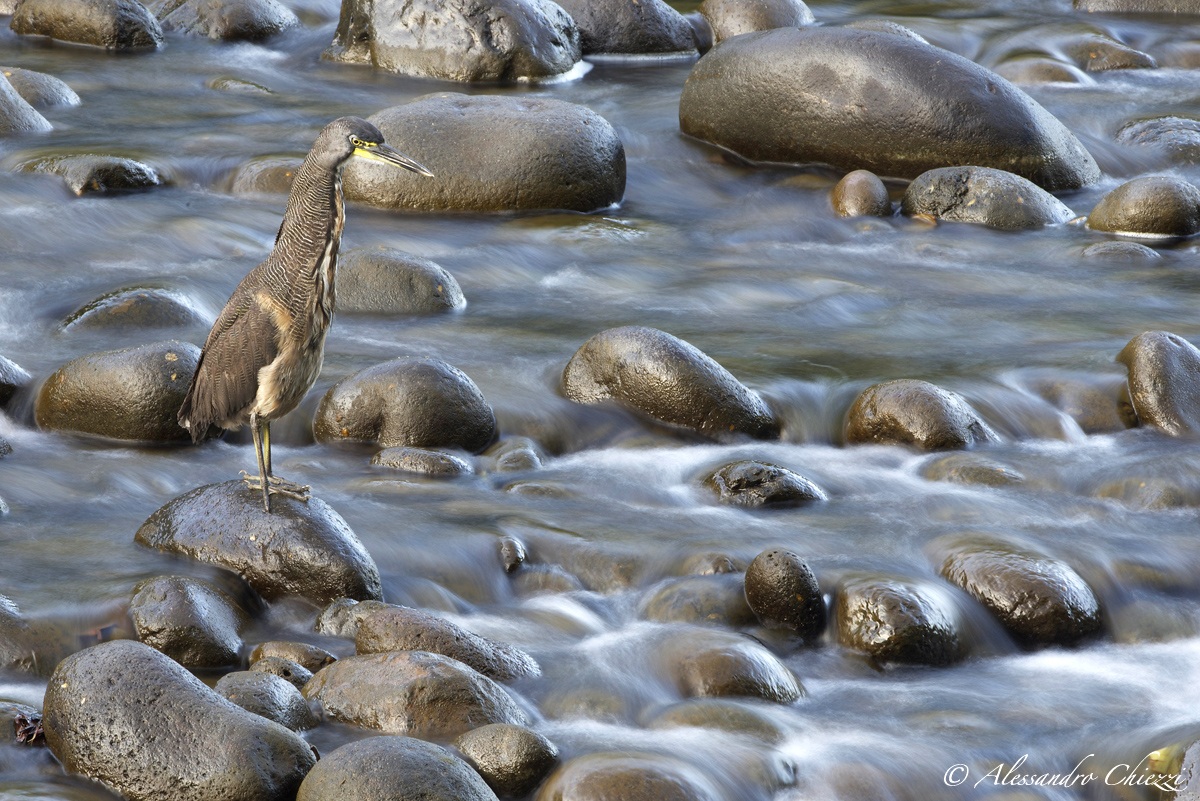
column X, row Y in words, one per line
column 265, row 349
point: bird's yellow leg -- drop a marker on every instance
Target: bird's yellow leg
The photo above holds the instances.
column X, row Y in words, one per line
column 274, row 484
column 257, row 433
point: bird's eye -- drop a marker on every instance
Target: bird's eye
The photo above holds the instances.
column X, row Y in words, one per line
column 354, row 140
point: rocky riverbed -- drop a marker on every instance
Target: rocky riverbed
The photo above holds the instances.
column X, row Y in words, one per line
column 764, row 401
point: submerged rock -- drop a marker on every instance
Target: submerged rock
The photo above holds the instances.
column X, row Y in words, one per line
column 1037, row 70
column 729, row 18
column 130, row 394
column 1100, row 53
column 400, row 628
column 13, row 378
column 407, row 402
column 629, row 26
column 411, row 692
column 298, row 549
column 128, row 716
column 39, row 89
column 736, row 716
column 893, row 105
column 1164, row 381
column 389, row 281
column 16, row 115
column 1154, row 206
column 1120, row 252
column 667, row 379
column 712, row 663
column 137, row 307
column 896, row 620
column 111, row 24
column 420, row 461
column 783, row 592
column 1038, row 599
column 984, row 196
column 191, row 621
column 971, row 468
column 230, row 20
column 1100, row 404
column 861, row 193
column 513, row 760
column 459, row 40
column 1176, row 137
column 628, row 776
column 917, row 413
column 272, row 175
column 754, row 484
column 269, row 696
column 393, row 769
column 92, row 174
column 494, row 153
column 717, row 599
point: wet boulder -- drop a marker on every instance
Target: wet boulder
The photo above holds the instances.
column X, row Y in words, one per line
column 752, row 484
column 229, row 20
column 411, row 692
column 629, row 776
column 269, row 696
column 668, row 380
column 895, row 620
column 1153, row 207
column 407, row 402
column 272, row 175
column 388, row 281
column 893, row 105
column 783, row 592
column 1120, row 252
column 513, row 760
column 736, row 716
column 128, row 716
column 129, row 394
column 494, row 153
column 111, row 24
column 459, row 40
column 729, row 18
column 393, row 769
column 984, row 196
column 1099, row 404
column 1164, row 381
column 191, row 621
column 342, row 616
column 708, row 663
column 1100, row 53
column 91, row 174
column 39, row 89
column 293, row 673
column 310, row 657
column 861, row 193
column 1038, row 599
column 1140, row 6
column 16, row 115
column 1039, row 69
column 971, row 468
column 423, row 462
column 629, row 27
column 135, row 308
column 16, row 652
column 13, row 378
column 1176, row 137
column 298, row 549
column 916, row 413
column 717, row 599
column 400, row 628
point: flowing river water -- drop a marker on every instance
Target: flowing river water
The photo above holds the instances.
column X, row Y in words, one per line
column 748, row 264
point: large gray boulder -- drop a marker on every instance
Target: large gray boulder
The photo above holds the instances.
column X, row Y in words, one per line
column 629, row 26
column 393, row 769
column 16, row 115
column 916, row 413
column 128, row 716
column 984, row 196
column 297, row 549
column 458, row 40
column 230, row 20
column 39, row 89
column 389, row 281
column 668, row 380
column 494, row 153
column 191, row 621
column 111, row 24
column 859, row 99
column 1164, row 381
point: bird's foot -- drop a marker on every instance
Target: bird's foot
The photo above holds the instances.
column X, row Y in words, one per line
column 277, row 486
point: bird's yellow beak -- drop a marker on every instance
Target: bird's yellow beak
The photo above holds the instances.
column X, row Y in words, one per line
column 389, row 155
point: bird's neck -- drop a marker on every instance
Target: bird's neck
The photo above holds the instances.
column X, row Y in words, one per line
column 311, row 233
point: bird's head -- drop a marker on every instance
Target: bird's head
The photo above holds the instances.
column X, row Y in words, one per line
column 347, row 137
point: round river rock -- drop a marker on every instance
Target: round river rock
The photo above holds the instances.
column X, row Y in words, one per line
column 130, row 717
column 1153, row 206
column 268, row 695
column 628, row 776
column 861, row 193
column 783, row 592
column 39, row 89
column 985, row 196
column 1164, row 381
column 388, row 281
column 393, row 769
column 111, row 24
column 917, row 413
column 668, row 380
column 91, row 174
column 752, row 484
column 859, row 99
column 298, row 549
column 896, row 620
column 729, row 18
column 513, row 760
column 230, row 20
column 16, row 115
column 310, row 657
column 629, row 26
column 189, row 620
column 293, row 673
column 135, row 308
column 708, row 663
column 494, row 153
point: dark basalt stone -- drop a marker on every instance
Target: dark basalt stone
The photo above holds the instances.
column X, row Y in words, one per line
column 229, row 20
column 191, row 621
column 458, row 40
column 494, row 153
column 892, row 105
column 388, row 281
column 393, row 769
column 128, row 716
column 13, row 378
column 416, row 403
column 137, row 307
column 667, row 379
column 861, row 194
column 267, row 695
column 39, row 89
column 629, row 26
column 411, row 692
column 16, row 115
column 895, row 620
column 1154, row 206
column 513, row 760
column 730, row 18
column 131, row 394
column 1164, row 381
column 298, row 549
column 111, row 24
column 984, row 196
column 752, row 484
column 91, row 174
column 917, row 413
column 783, row 592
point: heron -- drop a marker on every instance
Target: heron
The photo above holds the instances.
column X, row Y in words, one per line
column 265, row 350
